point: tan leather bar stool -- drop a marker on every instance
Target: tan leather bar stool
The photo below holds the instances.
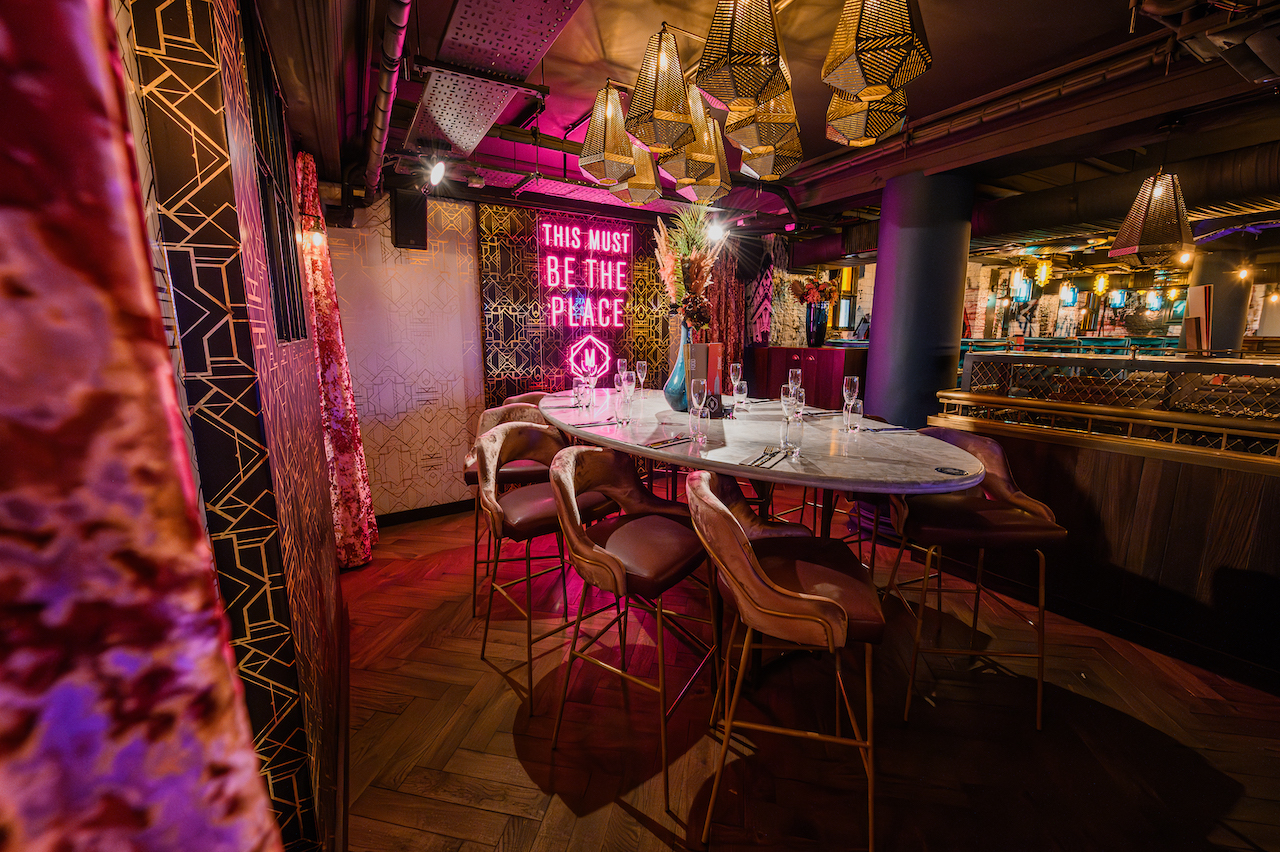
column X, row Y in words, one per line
column 530, row 398
column 523, row 514
column 637, row 556
column 995, row 514
column 804, row 593
column 516, row 472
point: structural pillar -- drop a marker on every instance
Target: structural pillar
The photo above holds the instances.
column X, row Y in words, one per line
column 1230, row 296
column 918, row 307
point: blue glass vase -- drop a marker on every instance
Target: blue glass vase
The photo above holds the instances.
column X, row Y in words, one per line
column 674, row 390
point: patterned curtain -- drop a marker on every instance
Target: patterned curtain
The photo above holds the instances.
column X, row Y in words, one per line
column 353, row 520
column 728, row 305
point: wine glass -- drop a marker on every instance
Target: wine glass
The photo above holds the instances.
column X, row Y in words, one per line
column 622, row 365
column 739, row 397
column 617, row 383
column 642, row 370
column 850, row 388
column 788, row 412
column 793, row 377
column 853, row 415
column 628, row 384
column 797, row 399
column 735, row 373
column 697, row 401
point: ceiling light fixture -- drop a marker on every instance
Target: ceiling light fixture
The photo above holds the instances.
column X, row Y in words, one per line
column 1156, row 228
column 716, row 184
column 658, row 114
column 606, row 152
column 697, row 159
column 762, row 129
column 879, row 46
column 437, row 173
column 858, row 123
column 642, row 187
column 1243, row 273
column 716, row 232
column 742, row 63
column 1185, row 257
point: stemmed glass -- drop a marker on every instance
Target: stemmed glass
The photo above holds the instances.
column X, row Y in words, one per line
column 739, row 398
column 622, row 365
column 852, row 411
column 793, row 378
column 642, row 370
column 788, row 411
column 735, row 374
column 627, row 396
column 850, row 388
column 697, row 401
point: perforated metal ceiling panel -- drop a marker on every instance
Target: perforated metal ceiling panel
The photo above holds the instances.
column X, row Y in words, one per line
column 503, row 37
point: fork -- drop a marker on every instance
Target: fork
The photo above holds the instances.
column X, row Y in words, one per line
column 763, row 457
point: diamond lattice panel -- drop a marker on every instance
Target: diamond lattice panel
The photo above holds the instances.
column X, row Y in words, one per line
column 458, row 109
column 507, row 37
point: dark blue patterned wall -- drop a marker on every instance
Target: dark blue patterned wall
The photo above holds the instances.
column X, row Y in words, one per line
column 252, row 403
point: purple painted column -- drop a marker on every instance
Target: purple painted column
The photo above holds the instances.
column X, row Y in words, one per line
column 918, row 307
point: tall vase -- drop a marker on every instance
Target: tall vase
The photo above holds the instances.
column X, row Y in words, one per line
column 674, row 390
column 816, row 323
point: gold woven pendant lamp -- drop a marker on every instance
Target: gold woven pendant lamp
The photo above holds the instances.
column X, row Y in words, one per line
column 1157, row 227
column 774, row 162
column 658, row 114
column 853, row 121
column 606, row 151
column 642, row 187
column 697, row 159
column 879, row 46
column 716, row 184
column 764, row 127
column 742, row 63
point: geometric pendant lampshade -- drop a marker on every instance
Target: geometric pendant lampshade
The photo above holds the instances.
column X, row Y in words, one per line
column 715, row 184
column 642, row 187
column 1156, row 228
column 764, row 127
column 775, row 161
column 658, row 114
column 879, row 46
column 606, row 151
column 696, row 160
column 742, row 63
column 858, row 123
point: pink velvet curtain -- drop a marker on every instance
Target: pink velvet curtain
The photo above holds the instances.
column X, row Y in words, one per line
column 354, row 525
column 728, row 305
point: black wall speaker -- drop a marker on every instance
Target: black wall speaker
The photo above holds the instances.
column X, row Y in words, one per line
column 408, row 219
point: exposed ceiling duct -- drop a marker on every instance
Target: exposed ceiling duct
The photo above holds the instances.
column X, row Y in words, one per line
column 389, row 73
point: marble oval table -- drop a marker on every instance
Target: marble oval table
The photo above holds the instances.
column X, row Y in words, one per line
column 893, row 462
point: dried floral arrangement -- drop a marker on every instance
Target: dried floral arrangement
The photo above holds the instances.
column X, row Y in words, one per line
column 813, row 290
column 685, row 258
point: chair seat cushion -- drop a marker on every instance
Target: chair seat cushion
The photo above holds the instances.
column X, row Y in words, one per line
column 970, row 519
column 518, row 472
column 658, row 551
column 828, row 568
column 530, row 510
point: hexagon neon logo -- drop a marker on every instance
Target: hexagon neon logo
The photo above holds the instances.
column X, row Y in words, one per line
column 589, row 357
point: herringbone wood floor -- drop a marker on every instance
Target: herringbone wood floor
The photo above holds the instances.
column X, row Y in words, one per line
column 1139, row 751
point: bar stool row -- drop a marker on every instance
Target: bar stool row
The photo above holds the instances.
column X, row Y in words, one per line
column 785, row 589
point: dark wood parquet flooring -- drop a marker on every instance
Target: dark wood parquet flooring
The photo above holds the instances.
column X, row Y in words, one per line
column 1138, row 752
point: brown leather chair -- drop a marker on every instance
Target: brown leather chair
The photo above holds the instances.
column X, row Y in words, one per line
column 995, row 514
column 530, row 398
column 523, row 514
column 516, row 472
column 636, row 556
column 809, row 593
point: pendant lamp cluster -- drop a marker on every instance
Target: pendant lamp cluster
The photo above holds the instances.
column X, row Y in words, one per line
column 1157, row 228
column 878, row 48
column 743, row 70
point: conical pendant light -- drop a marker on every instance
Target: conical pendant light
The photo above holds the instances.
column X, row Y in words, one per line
column 774, row 162
column 764, row 127
column 742, row 63
column 853, row 121
column 878, row 48
column 716, row 184
column 1156, row 228
column 606, row 151
column 697, row 159
column 642, row 187
column 658, row 114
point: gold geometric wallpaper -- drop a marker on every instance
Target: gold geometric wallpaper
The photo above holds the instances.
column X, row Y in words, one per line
column 411, row 318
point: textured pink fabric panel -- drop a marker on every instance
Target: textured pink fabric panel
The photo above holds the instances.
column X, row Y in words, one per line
column 353, row 519
column 121, row 722
column 728, row 305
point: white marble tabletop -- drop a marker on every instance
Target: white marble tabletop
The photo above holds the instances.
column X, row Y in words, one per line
column 895, row 461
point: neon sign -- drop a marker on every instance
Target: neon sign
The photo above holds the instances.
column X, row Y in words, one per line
column 590, row 357
column 585, row 271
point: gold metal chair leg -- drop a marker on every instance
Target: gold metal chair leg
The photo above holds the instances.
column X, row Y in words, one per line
column 1040, row 647
column 662, row 705
column 977, row 596
column 728, row 733
column 493, row 583
column 871, row 754
column 875, row 533
column 915, row 647
column 568, row 671
column 475, row 555
column 564, row 574
column 528, row 616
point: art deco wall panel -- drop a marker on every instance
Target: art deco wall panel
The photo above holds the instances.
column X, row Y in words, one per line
column 524, row 350
column 411, row 319
column 252, row 403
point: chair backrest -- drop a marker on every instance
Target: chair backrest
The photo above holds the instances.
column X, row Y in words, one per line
column 577, row 470
column 514, row 413
column 729, row 493
column 530, row 398
column 998, row 482
column 762, row 604
column 508, row 442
